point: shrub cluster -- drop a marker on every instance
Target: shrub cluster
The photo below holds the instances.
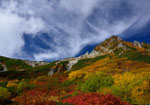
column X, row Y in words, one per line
column 4, row 93
column 134, row 88
column 94, row 99
column 67, row 83
column 95, row 83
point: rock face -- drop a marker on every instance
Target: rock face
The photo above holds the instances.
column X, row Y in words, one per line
column 137, row 44
column 52, row 71
column 2, row 67
column 57, row 68
column 90, row 55
column 36, row 63
column 71, row 62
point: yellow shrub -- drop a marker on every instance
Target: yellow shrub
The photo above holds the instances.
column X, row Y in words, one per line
column 134, row 88
column 141, row 93
column 76, row 74
column 105, row 90
column 53, row 98
column 4, row 93
column 127, row 79
column 104, row 65
column 12, row 83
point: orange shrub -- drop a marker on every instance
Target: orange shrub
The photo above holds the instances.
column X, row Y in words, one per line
column 129, row 44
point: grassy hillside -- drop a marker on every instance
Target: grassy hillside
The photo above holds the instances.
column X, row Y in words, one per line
column 14, row 64
column 85, row 62
column 136, row 56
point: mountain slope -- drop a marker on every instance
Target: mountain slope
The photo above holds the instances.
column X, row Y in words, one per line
column 114, row 72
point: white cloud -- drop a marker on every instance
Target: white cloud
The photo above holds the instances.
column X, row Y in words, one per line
column 74, row 18
column 12, row 27
column 40, row 57
column 10, row 35
column 82, row 7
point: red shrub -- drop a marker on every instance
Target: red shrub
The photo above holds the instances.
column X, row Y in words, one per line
column 94, row 99
column 53, row 92
column 34, row 97
column 62, row 78
column 41, row 83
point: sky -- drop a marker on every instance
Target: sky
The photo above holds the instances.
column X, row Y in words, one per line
column 57, row 29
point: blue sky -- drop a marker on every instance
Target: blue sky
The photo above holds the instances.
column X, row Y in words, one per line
column 58, row 29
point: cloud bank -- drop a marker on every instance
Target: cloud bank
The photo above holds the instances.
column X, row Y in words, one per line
column 64, row 27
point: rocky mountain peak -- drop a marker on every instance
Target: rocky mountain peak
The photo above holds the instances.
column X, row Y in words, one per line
column 109, row 45
column 115, row 44
column 114, row 37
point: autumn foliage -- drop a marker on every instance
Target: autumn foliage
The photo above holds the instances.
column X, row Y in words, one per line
column 118, row 78
column 4, row 93
column 94, row 99
column 34, row 97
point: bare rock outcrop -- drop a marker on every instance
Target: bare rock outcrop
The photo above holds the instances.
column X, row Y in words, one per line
column 3, row 68
column 36, row 63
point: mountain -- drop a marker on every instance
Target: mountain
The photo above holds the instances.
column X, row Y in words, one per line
column 116, row 72
column 117, row 45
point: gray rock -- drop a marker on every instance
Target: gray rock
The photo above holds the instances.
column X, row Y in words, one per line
column 137, row 44
column 36, row 63
column 51, row 72
column 121, row 45
column 71, row 63
column 4, row 67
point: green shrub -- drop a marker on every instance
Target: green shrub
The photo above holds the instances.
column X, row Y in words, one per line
column 67, row 83
column 3, row 84
column 95, row 83
column 4, row 93
column 66, row 96
column 16, row 74
column 117, row 91
column 135, row 56
column 74, row 93
column 118, row 51
column 60, row 103
column 21, row 87
column 13, row 64
column 85, row 62
column 43, row 70
column 8, row 102
column 31, row 86
column 13, row 90
column 53, row 82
